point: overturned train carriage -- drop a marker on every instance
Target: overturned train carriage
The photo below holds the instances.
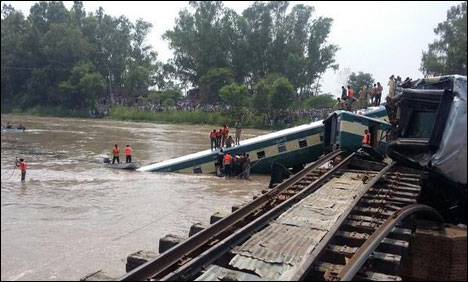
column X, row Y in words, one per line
column 429, row 132
column 290, row 147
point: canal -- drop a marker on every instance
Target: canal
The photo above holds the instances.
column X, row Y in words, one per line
column 73, row 216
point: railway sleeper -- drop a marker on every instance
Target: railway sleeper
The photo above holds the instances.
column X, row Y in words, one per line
column 138, row 258
column 363, row 227
column 169, row 241
column 354, row 239
column 382, row 203
column 375, row 276
column 412, row 195
column 381, row 213
column 390, row 198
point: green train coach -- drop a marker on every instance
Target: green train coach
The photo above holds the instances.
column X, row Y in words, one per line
column 290, row 147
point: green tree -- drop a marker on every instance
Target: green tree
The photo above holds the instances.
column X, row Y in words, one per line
column 282, row 94
column 358, row 80
column 235, row 96
column 212, row 82
column 447, row 55
column 321, row 101
column 82, row 88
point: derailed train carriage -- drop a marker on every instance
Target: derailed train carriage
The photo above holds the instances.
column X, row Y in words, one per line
column 429, row 132
column 292, row 147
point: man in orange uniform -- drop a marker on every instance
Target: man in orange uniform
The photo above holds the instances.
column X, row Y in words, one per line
column 128, row 154
column 22, row 166
column 213, row 139
column 116, row 154
column 225, row 134
column 227, row 164
column 366, row 140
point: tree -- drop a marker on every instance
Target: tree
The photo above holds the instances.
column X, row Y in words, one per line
column 282, row 94
column 265, row 39
column 447, row 55
column 234, row 96
column 212, row 82
column 357, row 81
column 321, row 101
column 82, row 88
column 47, row 57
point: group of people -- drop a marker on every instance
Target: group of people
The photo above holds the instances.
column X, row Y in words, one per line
column 232, row 166
column 364, row 98
column 9, row 126
column 221, row 138
column 116, row 154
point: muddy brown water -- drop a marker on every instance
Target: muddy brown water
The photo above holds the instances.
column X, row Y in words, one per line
column 73, row 216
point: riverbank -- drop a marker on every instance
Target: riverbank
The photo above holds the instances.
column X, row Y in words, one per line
column 168, row 117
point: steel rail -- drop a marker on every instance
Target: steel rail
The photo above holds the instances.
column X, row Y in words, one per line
column 172, row 256
column 187, row 271
column 353, row 266
column 308, row 262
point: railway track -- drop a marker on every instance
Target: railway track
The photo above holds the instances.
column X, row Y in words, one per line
column 381, row 195
column 203, row 240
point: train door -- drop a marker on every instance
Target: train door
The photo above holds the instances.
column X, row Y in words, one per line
column 331, row 132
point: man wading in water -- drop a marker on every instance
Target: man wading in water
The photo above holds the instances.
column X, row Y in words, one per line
column 22, row 166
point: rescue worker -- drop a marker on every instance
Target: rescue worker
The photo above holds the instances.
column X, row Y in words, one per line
column 391, row 86
column 213, row 139
column 219, row 135
column 227, row 164
column 378, row 94
column 350, row 98
column 116, row 154
column 238, row 132
column 229, row 142
column 366, row 139
column 219, row 163
column 22, row 166
column 246, row 167
column 225, row 135
column 128, row 154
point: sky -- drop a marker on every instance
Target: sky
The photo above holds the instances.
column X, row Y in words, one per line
column 381, row 38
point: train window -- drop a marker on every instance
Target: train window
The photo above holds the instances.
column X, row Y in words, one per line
column 282, row 147
column 197, row 170
column 302, row 143
column 260, row 154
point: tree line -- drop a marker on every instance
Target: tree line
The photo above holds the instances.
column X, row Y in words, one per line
column 265, row 60
column 77, row 59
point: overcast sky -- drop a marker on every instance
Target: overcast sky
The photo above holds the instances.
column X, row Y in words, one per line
column 381, row 38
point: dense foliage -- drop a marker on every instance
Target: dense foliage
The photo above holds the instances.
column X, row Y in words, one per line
column 264, row 61
column 447, row 55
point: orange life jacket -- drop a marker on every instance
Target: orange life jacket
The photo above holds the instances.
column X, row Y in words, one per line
column 227, row 160
column 351, row 93
column 128, row 151
column 366, row 139
column 225, row 131
column 116, row 152
column 23, row 166
column 213, row 135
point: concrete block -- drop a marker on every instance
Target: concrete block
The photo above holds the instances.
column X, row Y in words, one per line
column 169, row 241
column 217, row 217
column 136, row 259
column 195, row 228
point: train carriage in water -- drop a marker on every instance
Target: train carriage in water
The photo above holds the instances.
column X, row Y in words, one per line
column 292, row 148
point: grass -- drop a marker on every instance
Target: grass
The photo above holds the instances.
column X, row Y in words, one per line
column 175, row 117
